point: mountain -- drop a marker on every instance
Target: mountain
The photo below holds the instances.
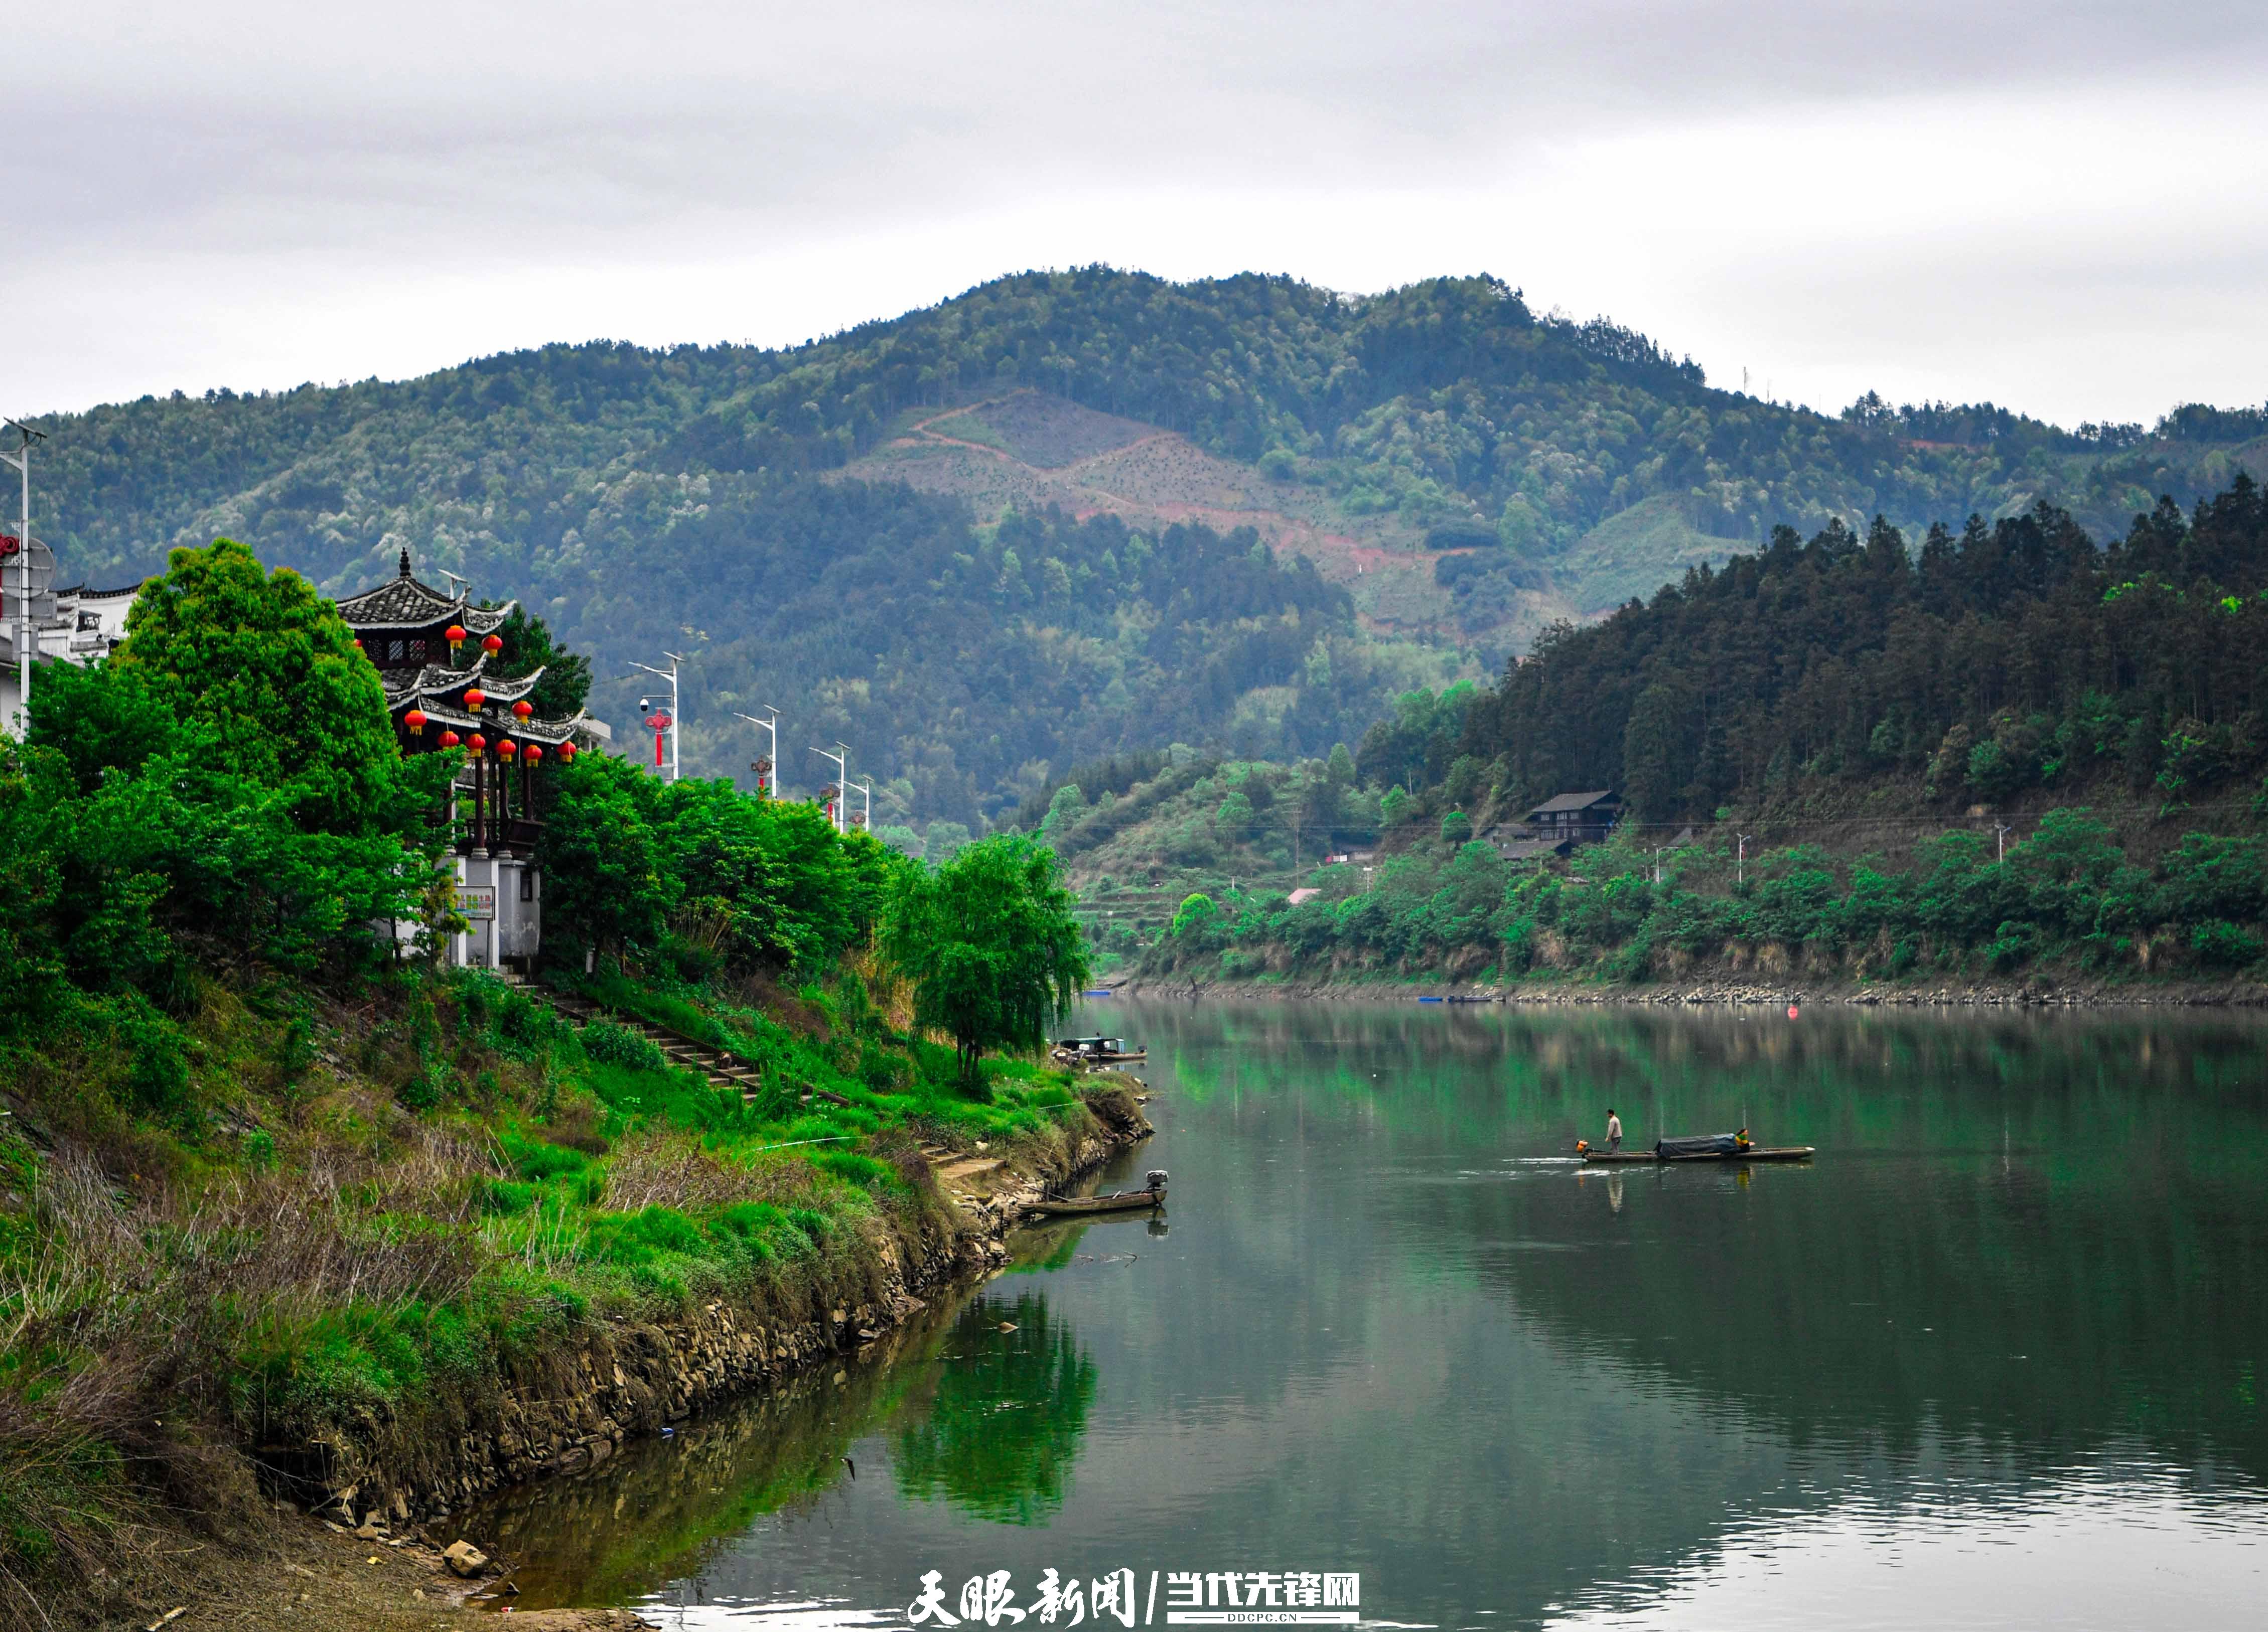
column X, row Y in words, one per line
column 920, row 535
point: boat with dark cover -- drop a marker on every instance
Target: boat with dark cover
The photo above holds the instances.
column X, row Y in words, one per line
column 1698, row 1147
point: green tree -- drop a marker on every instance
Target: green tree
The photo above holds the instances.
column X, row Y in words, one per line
column 1196, row 911
column 989, row 944
column 266, row 661
column 605, row 885
column 944, row 840
column 1065, row 808
column 528, row 644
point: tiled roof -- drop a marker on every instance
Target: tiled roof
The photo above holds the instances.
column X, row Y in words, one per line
column 407, row 603
column 1572, row 801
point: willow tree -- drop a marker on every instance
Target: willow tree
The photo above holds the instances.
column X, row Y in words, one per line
column 990, row 947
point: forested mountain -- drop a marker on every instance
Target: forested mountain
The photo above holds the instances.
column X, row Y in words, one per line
column 858, row 529
column 2009, row 752
column 2003, row 661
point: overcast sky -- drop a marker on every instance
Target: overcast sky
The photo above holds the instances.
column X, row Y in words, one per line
column 2063, row 207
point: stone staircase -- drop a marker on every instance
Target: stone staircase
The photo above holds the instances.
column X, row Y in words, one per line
column 959, row 1173
column 722, row 1069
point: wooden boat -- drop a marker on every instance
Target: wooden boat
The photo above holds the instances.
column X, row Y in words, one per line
column 1121, row 1201
column 1754, row 1153
column 1097, row 1051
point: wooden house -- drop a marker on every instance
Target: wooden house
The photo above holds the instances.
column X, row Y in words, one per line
column 1577, row 818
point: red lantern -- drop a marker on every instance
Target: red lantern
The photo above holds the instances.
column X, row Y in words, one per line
column 455, row 635
column 532, row 754
column 474, row 698
column 448, row 739
column 506, row 749
column 566, row 753
column 477, row 742
column 357, row 644
column 522, row 709
column 493, row 645
column 416, row 720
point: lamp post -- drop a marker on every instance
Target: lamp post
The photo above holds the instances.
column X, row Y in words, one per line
column 769, row 763
column 26, row 637
column 866, row 803
column 675, row 714
column 841, row 775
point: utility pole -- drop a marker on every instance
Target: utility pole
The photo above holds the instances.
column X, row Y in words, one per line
column 841, row 777
column 1741, row 862
column 2000, row 832
column 27, row 638
column 676, row 719
column 1657, row 867
column 769, row 766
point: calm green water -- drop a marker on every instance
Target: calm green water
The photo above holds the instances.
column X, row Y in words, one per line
column 1996, row 1359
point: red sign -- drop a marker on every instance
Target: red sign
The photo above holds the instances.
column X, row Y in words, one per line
column 10, row 544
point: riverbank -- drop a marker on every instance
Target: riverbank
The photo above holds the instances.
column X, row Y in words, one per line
column 2038, row 991
column 573, row 1407
column 373, row 1552
column 380, row 1251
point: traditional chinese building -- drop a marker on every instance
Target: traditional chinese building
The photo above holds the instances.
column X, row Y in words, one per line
column 437, row 656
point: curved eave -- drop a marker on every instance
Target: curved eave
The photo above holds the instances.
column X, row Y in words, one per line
column 549, row 733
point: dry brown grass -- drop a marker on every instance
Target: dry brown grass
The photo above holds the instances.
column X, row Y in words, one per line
column 665, row 1169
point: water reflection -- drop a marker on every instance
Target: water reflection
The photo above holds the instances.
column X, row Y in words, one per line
column 2018, row 1305
column 983, row 1398
column 998, row 1432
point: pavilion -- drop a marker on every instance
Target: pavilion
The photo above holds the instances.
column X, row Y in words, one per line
column 437, row 656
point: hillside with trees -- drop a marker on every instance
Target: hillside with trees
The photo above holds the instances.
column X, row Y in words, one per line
column 881, row 531
column 2008, row 751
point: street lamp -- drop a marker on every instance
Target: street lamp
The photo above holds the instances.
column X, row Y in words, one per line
column 675, row 716
column 841, row 776
column 769, row 763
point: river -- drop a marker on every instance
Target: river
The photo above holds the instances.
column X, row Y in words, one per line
column 1994, row 1359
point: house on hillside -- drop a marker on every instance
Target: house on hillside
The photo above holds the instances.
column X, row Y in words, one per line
column 1572, row 819
column 1516, row 841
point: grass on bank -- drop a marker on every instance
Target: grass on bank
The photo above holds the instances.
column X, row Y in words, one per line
column 281, row 1217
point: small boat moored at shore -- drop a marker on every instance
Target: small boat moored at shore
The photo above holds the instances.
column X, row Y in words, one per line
column 1097, row 1051
column 1153, row 1195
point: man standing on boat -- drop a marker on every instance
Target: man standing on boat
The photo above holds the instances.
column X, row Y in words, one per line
column 1614, row 1130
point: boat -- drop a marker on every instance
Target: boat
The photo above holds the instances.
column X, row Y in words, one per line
column 1700, row 1147
column 1122, row 1202
column 1754, row 1153
column 1097, row 1051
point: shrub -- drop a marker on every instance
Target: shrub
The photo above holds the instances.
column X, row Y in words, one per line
column 618, row 1045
